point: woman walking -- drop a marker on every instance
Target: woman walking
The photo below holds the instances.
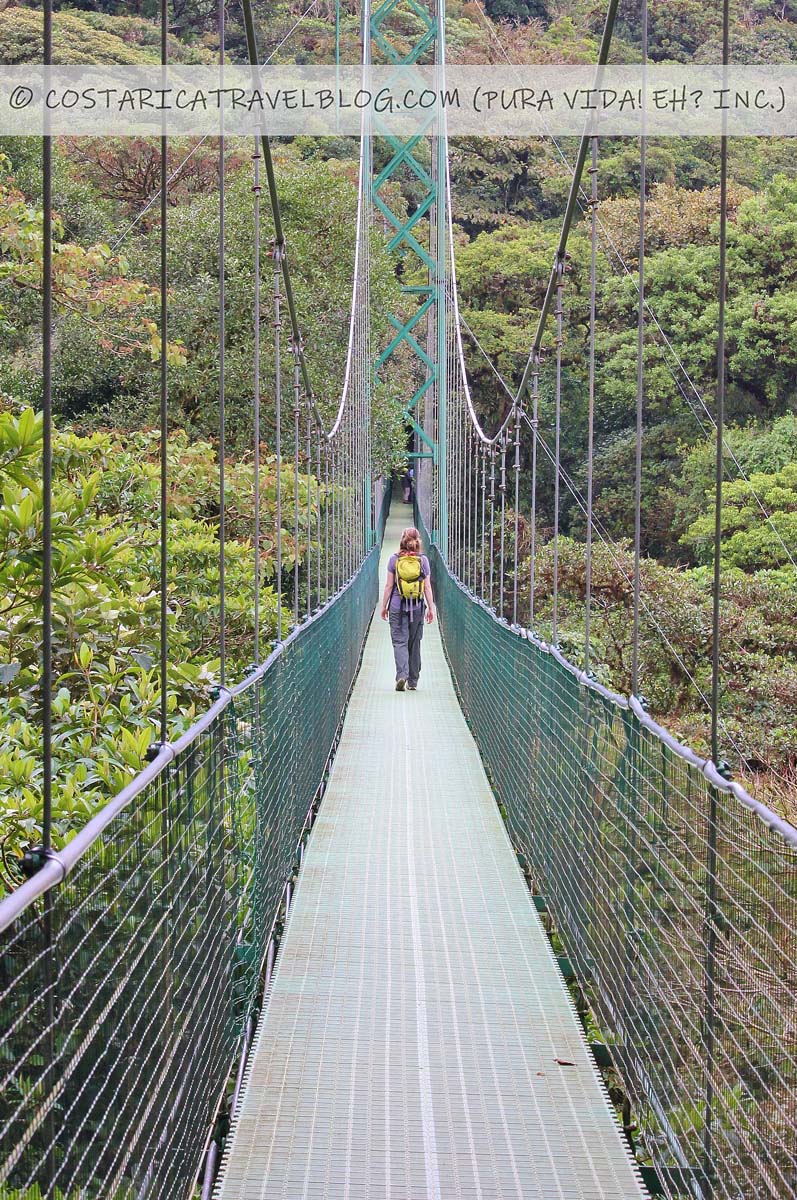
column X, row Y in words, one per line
column 406, row 599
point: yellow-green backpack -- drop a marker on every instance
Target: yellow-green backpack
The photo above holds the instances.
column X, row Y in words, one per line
column 409, row 577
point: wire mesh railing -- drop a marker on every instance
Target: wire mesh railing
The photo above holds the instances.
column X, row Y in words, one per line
column 673, row 892
column 127, row 986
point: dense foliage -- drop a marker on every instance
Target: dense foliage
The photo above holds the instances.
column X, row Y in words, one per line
column 758, row 650
column 106, row 473
column 106, row 603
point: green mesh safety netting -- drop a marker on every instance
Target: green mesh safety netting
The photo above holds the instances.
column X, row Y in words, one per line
column 675, row 904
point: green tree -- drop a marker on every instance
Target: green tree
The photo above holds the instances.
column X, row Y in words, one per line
column 757, row 449
column 96, row 38
column 498, row 180
column 758, row 646
column 91, row 285
column 674, row 216
column 105, row 581
column 679, row 28
column 763, row 239
column 75, row 41
column 520, row 11
column 749, row 540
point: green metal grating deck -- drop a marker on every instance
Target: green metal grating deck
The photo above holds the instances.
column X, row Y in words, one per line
column 409, row 1044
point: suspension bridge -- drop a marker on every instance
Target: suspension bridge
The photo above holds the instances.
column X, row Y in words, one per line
column 503, row 936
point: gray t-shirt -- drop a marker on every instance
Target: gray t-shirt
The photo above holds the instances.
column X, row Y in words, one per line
column 395, row 599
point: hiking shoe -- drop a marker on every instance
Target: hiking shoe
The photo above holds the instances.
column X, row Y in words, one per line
column 400, row 685
column 412, row 687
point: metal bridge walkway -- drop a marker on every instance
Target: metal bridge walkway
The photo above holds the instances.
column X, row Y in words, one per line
column 410, row 1041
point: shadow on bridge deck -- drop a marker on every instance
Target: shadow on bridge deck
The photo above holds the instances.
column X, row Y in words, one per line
column 410, row 1042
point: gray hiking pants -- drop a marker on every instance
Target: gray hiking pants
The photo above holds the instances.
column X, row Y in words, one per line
column 406, row 631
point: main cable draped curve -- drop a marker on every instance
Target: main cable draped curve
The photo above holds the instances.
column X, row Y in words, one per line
column 280, row 245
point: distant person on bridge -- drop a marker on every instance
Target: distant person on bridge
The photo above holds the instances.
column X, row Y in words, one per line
column 407, row 596
column 406, row 485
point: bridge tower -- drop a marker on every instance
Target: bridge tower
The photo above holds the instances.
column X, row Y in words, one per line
column 405, row 33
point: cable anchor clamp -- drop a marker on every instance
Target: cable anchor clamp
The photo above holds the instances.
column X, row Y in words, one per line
column 36, row 857
column 156, row 748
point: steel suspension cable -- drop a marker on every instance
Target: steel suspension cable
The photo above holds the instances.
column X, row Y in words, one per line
column 463, row 464
column 535, row 425
column 593, row 275
column 606, row 234
column 50, row 968
column 459, row 548
column 346, row 514
column 256, row 398
column 222, row 381
column 474, row 338
column 492, row 524
column 648, row 313
column 296, row 453
column 640, row 373
column 452, row 445
column 277, row 256
column 164, row 400
column 348, row 528
column 309, row 456
column 474, row 484
column 516, row 515
column 327, row 507
column 532, row 367
column 502, row 489
column 560, row 283
column 712, row 914
column 467, row 513
column 352, row 537
column 483, row 452
column 345, row 504
column 721, row 383
column 276, row 212
column 47, row 458
column 338, row 467
column 334, row 516
column 583, row 204
column 341, row 472
column 342, row 475
column 651, row 315
column 319, row 501
column 469, row 544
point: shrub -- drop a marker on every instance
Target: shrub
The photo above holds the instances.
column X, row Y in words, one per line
column 106, row 603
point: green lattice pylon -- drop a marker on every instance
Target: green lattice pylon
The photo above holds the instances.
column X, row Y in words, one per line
column 430, row 296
